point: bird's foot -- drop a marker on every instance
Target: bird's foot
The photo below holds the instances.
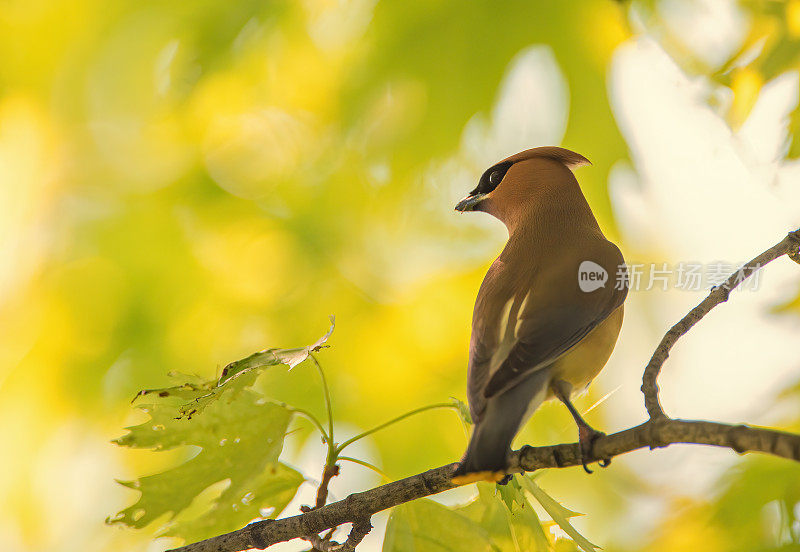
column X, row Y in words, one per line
column 506, row 478
column 499, row 477
column 586, row 438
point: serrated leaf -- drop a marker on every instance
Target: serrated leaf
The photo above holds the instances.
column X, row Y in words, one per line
column 427, row 526
column 526, row 529
column 511, row 493
column 271, row 357
column 236, row 376
column 516, row 529
column 239, row 442
column 485, row 509
column 558, row 513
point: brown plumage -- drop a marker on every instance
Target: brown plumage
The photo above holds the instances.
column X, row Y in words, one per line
column 535, row 333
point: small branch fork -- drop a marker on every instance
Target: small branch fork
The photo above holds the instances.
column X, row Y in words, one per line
column 357, row 533
column 658, row 431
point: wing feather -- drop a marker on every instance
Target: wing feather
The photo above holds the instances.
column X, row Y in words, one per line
column 549, row 326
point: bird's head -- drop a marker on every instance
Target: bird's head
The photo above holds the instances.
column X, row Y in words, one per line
column 526, row 176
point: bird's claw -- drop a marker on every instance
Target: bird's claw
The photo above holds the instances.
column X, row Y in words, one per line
column 586, row 438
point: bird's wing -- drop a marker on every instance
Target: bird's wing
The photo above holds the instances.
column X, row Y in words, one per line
column 554, row 318
column 493, row 325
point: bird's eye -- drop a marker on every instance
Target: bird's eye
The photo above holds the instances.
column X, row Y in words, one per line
column 492, row 177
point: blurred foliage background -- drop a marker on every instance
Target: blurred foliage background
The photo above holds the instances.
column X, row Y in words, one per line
column 182, row 184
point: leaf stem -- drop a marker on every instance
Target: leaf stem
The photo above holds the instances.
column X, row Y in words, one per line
column 352, row 440
column 309, row 416
column 366, row 464
column 332, row 449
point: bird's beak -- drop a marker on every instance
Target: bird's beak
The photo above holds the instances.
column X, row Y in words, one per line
column 469, row 202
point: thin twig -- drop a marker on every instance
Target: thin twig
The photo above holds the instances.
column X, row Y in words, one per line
column 367, row 465
column 327, row 394
column 328, row 473
column 788, row 246
column 384, row 425
column 357, row 533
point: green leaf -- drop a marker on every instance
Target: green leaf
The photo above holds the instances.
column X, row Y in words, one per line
column 526, row 529
column 794, row 134
column 508, row 517
column 190, row 387
column 748, row 491
column 487, row 511
column 426, row 526
column 559, row 513
column 271, row 357
column 234, row 377
column 511, row 493
column 523, row 523
column 239, row 441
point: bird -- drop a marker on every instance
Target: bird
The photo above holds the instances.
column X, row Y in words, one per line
column 549, row 310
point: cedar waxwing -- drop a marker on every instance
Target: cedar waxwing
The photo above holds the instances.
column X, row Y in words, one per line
column 549, row 309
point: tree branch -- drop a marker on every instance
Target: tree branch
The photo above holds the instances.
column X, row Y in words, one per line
column 328, row 473
column 788, row 246
column 659, row 431
column 357, row 533
column 651, row 434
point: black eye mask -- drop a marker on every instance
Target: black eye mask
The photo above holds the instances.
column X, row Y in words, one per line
column 492, row 177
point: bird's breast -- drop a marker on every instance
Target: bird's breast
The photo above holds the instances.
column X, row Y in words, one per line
column 582, row 363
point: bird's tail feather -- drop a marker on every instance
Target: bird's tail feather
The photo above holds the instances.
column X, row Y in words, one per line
column 487, row 451
column 491, row 439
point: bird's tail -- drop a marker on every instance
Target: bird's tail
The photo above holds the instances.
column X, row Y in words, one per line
column 487, row 450
column 491, row 439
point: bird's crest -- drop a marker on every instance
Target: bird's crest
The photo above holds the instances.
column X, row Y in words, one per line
column 568, row 158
